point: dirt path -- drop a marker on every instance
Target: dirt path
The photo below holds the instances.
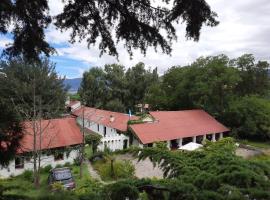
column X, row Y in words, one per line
column 94, row 174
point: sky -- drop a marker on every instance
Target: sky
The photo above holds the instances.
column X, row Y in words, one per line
column 244, row 28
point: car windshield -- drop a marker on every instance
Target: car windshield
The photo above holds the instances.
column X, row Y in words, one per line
column 62, row 175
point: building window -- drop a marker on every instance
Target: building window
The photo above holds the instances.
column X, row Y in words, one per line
column 98, row 127
column 19, row 163
column 59, row 156
column 28, row 158
column 105, row 131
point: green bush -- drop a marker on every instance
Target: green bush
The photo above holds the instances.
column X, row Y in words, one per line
column 67, row 164
column 121, row 191
column 58, row 166
column 122, row 169
column 75, row 171
column 28, row 175
column 46, row 169
column 59, row 195
column 88, row 187
column 57, row 186
column 77, row 161
column 96, row 155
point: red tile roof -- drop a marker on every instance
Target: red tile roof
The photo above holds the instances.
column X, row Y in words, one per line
column 57, row 133
column 170, row 125
column 103, row 117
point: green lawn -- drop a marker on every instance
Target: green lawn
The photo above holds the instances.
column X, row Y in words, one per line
column 258, row 144
column 23, row 185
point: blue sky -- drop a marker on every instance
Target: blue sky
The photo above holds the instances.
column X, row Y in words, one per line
column 244, row 28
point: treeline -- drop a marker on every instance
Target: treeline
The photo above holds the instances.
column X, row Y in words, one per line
column 235, row 91
column 115, row 88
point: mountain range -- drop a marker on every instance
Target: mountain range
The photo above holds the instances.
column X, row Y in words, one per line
column 73, row 83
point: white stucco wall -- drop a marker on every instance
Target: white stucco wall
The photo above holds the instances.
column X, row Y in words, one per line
column 136, row 142
column 112, row 140
column 75, row 106
column 6, row 172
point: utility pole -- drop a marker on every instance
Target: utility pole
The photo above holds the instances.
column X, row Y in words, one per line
column 83, row 142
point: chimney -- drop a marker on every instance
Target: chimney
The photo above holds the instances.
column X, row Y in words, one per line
column 112, row 118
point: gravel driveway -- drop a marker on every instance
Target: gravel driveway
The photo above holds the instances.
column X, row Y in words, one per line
column 144, row 168
column 247, row 153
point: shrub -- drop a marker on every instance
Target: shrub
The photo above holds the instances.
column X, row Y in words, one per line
column 122, row 169
column 58, row 166
column 121, row 191
column 96, row 156
column 28, row 175
column 88, row 186
column 67, row 164
column 77, row 161
column 75, row 170
column 161, row 145
column 46, row 169
column 56, row 196
column 57, row 186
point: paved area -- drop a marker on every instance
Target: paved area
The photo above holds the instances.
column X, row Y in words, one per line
column 144, row 168
column 247, row 153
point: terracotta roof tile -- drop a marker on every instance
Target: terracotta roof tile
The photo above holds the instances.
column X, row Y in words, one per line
column 57, row 133
column 103, row 117
column 169, row 125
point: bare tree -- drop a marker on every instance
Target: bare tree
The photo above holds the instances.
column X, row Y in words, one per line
column 84, row 116
column 38, row 129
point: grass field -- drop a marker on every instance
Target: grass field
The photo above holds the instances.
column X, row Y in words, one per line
column 258, row 144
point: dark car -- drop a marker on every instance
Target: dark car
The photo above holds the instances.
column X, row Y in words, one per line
column 62, row 175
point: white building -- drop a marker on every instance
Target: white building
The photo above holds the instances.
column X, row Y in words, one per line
column 112, row 126
column 72, row 105
column 59, row 135
column 177, row 128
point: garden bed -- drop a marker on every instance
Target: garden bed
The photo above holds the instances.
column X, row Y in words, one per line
column 115, row 170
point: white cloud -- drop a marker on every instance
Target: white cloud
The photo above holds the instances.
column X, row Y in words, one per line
column 244, row 28
column 4, row 41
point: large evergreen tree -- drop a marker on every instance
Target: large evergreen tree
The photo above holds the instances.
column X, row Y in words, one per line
column 115, row 89
column 28, row 80
column 213, row 172
column 10, row 131
column 138, row 23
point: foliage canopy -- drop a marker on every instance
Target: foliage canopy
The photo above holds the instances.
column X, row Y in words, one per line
column 137, row 23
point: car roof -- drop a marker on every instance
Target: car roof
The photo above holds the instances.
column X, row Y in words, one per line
column 60, row 169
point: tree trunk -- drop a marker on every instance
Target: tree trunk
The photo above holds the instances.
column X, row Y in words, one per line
column 112, row 168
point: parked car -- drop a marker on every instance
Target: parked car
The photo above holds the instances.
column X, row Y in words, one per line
column 63, row 176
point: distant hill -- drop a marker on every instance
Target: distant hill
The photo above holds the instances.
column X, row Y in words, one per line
column 74, row 84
